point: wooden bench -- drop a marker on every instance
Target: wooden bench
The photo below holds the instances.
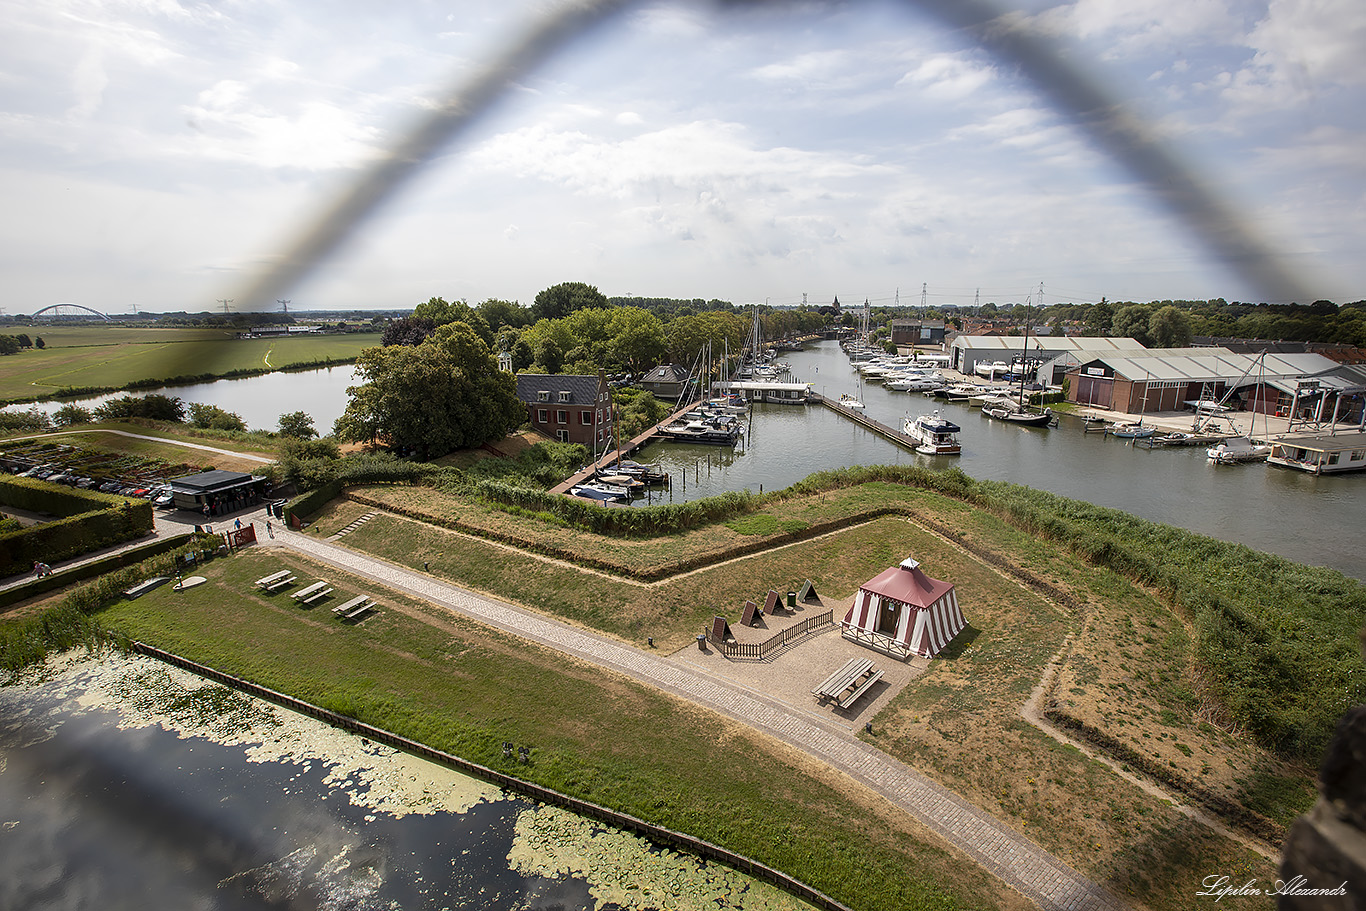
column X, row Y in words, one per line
column 834, row 685
column 316, row 596
column 862, row 688
column 352, row 609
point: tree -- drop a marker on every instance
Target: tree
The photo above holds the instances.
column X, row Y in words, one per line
column 71, row 413
column 39, row 343
column 558, row 301
column 211, row 417
column 154, row 407
column 411, row 330
column 429, row 399
column 1100, row 317
column 9, row 344
column 550, row 355
column 499, row 314
column 1169, row 328
column 440, row 313
column 298, row 425
column 24, row 340
column 1131, row 321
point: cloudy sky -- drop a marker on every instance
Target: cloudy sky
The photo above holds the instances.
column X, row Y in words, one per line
column 164, row 154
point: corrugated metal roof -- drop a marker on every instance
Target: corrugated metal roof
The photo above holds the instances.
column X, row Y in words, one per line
column 1057, row 343
column 1212, row 365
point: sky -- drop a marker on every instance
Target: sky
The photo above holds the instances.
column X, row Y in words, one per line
column 165, row 156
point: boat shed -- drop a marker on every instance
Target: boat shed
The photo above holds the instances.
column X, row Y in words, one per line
column 221, row 491
column 1169, row 379
column 904, row 612
column 967, row 350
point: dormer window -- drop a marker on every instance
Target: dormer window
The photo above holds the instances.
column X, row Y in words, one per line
column 564, row 395
column 542, row 396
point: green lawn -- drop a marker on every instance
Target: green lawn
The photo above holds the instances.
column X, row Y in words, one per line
column 114, row 358
column 437, row 678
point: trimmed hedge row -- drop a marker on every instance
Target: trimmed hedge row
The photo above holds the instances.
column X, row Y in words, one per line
column 58, row 500
column 105, row 521
column 93, row 568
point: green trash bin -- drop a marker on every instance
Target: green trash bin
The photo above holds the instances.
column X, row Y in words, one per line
column 792, row 599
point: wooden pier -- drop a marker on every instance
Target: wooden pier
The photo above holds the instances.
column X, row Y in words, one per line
column 858, row 417
column 610, row 457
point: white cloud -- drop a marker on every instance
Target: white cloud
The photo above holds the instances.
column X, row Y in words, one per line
column 1303, row 49
column 948, row 77
column 1129, row 27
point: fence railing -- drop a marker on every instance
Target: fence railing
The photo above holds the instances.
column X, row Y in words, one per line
column 751, row 651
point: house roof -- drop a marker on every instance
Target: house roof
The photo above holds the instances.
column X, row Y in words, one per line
column 909, row 586
column 582, row 389
column 212, row 480
column 666, row 373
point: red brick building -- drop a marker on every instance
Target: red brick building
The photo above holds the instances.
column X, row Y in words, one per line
column 571, row 409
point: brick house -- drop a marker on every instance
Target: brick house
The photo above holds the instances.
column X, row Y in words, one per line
column 571, row 409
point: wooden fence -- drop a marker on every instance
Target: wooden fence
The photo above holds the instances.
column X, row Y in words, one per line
column 758, row 651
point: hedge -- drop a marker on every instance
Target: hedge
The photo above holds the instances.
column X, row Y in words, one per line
column 104, row 520
column 90, row 569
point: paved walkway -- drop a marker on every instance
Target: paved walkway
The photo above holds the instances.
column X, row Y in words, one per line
column 1020, row 863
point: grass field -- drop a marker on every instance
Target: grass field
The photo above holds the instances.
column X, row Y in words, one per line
column 962, row 720
column 114, row 358
column 447, row 682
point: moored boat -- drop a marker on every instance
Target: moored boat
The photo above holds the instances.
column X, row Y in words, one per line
column 933, row 434
column 1022, row 417
column 1236, row 450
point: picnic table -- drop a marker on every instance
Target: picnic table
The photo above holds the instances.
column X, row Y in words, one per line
column 352, row 609
column 276, row 581
column 311, row 593
column 848, row 683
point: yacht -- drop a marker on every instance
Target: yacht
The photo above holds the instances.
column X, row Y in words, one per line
column 933, row 434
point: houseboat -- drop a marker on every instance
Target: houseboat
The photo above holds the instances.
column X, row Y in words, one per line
column 1320, row 454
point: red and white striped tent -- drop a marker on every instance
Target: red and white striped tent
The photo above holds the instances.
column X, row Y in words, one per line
column 903, row 612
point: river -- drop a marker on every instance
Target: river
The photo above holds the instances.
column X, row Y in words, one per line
column 1308, row 519
column 1313, row 520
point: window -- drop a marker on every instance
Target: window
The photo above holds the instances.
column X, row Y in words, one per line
column 542, row 396
column 585, row 417
column 562, row 436
column 564, row 395
column 541, row 416
column 562, row 417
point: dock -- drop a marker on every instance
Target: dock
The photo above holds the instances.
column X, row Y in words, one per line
column 610, row 458
column 888, row 433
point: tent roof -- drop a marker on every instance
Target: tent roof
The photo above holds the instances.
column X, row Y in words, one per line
column 909, row 586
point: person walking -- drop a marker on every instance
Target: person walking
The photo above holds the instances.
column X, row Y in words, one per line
column 237, row 524
column 270, row 531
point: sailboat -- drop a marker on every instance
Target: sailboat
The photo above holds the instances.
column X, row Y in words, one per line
column 1019, row 413
column 854, row 402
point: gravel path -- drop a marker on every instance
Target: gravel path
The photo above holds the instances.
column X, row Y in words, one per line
column 1044, row 879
